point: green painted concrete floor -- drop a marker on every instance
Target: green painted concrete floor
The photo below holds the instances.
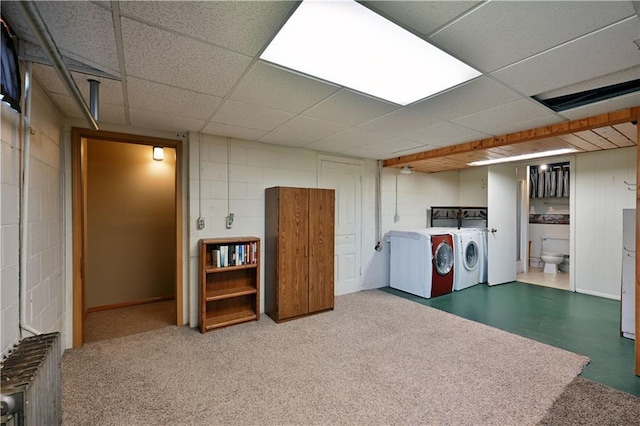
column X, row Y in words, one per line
column 579, row 323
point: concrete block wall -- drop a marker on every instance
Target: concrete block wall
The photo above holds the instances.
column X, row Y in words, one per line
column 45, row 288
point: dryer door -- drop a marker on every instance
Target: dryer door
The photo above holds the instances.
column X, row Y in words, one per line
column 443, row 258
column 471, row 255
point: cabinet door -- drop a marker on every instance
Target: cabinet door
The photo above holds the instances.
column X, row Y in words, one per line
column 293, row 287
column 321, row 241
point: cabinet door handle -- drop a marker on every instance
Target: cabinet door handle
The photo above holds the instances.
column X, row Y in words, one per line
column 306, row 251
column 313, row 251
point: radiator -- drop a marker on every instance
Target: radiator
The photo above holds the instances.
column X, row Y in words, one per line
column 31, row 386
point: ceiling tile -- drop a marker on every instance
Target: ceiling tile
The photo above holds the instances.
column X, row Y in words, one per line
column 629, row 74
column 277, row 138
column 491, row 120
column 159, row 97
column 250, row 116
column 350, row 108
column 310, row 128
column 274, row 87
column 167, row 58
column 240, row 26
column 108, row 113
column 328, row 146
column 395, row 146
column 500, row 33
column 600, row 53
column 627, row 101
column 367, row 153
column 233, row 131
column 477, row 95
column 81, row 30
column 421, row 16
column 158, row 121
column 529, row 124
column 355, row 137
column 400, row 122
column 110, row 91
column 445, row 134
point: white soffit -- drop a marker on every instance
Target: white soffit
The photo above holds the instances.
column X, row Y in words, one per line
column 500, row 33
column 239, row 26
column 348, row 44
column 350, row 108
column 477, row 95
column 272, row 87
column 603, row 52
column 168, row 58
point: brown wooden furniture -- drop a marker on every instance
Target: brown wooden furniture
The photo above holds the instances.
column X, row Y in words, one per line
column 229, row 294
column 299, row 252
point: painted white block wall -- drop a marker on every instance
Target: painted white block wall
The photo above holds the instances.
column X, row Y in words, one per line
column 600, row 196
column 473, row 187
column 45, row 261
column 230, row 175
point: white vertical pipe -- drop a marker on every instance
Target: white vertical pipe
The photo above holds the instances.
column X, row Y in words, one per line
column 24, row 201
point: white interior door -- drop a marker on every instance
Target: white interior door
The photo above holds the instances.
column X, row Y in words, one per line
column 502, row 217
column 345, row 178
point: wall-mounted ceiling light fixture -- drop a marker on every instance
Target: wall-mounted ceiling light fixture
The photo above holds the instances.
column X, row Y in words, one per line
column 523, row 157
column 406, row 170
column 158, row 153
column 348, row 44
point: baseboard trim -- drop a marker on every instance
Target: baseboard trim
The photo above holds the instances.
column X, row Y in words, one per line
column 129, row 303
column 598, row 294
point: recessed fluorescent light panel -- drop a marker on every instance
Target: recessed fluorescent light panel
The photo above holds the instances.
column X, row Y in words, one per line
column 523, row 157
column 347, row 44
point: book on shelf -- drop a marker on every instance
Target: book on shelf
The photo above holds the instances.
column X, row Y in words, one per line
column 234, row 255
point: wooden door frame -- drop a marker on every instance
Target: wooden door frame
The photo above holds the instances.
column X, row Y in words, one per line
column 78, row 157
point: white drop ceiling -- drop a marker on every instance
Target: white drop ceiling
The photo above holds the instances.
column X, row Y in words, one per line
column 194, row 66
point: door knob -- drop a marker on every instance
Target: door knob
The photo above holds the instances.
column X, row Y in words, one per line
column 494, row 230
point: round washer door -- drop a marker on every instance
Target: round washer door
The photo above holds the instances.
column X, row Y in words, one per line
column 471, row 255
column 444, row 258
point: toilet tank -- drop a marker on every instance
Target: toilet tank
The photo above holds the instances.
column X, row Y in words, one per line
column 555, row 244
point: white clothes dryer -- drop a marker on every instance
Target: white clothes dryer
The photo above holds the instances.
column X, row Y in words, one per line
column 468, row 258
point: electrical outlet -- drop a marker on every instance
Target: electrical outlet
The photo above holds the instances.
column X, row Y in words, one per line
column 200, row 223
column 230, row 220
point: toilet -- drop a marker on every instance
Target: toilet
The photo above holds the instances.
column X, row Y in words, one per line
column 551, row 261
column 553, row 249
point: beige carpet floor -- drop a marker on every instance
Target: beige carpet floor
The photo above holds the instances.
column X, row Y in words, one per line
column 130, row 320
column 376, row 359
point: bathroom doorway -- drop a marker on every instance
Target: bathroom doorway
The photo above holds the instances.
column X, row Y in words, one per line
column 544, row 219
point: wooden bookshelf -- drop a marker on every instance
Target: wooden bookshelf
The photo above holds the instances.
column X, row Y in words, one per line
column 229, row 294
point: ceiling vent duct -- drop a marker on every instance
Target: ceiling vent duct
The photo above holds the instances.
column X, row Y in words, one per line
column 94, row 97
column 574, row 100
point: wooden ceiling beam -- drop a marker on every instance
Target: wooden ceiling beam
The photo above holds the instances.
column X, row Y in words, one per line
column 559, row 129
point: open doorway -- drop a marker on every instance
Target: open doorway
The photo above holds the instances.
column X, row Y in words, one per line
column 545, row 219
column 127, row 235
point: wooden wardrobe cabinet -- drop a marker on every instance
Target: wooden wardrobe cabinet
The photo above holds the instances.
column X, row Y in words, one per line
column 299, row 251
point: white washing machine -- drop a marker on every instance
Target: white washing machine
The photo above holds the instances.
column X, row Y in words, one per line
column 411, row 261
column 468, row 258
